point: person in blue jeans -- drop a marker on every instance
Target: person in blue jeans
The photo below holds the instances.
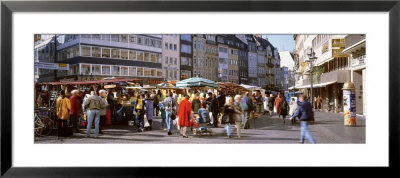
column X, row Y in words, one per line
column 169, row 104
column 93, row 104
column 304, row 111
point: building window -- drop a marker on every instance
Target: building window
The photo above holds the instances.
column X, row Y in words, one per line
column 170, row 46
column 186, row 37
column 85, row 69
column 175, row 47
column 105, row 70
column 158, row 44
column 175, row 61
column 146, row 57
column 114, row 70
column 139, row 56
column 153, row 72
column 166, row 45
column 132, row 71
column 132, row 38
column 124, row 38
column 139, row 71
column 132, row 55
column 105, row 52
column 105, row 37
column 186, row 49
column 124, row 70
column 124, row 54
column 153, row 57
column 146, row 41
column 166, row 59
column 96, row 52
column 139, row 40
column 146, row 72
column 159, row 73
column 170, row 60
column 186, row 61
column 115, row 38
column 115, row 53
column 85, row 50
column 96, row 69
column 96, row 37
column 152, row 43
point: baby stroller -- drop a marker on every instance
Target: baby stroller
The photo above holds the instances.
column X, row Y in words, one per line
column 202, row 120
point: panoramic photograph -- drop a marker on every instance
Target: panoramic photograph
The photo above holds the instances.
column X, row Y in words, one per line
column 199, row 89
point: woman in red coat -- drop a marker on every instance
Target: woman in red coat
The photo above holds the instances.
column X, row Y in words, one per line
column 184, row 112
column 276, row 103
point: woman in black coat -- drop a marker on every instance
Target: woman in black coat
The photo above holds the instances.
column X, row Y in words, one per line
column 284, row 108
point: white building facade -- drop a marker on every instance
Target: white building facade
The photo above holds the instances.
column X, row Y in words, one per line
column 170, row 57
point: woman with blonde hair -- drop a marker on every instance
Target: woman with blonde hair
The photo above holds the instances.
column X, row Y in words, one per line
column 237, row 114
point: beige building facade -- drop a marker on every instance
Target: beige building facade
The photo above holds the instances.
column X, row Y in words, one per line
column 170, row 57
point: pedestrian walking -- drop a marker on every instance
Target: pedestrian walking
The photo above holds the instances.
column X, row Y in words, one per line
column 169, row 104
column 247, row 106
column 149, row 110
column 284, row 108
column 103, row 111
column 227, row 117
column 140, row 113
column 276, row 103
column 237, row 114
column 304, row 111
column 184, row 113
column 271, row 100
column 156, row 107
column 265, row 102
column 111, row 101
column 163, row 117
column 214, row 105
column 63, row 108
column 75, row 113
column 93, row 105
column 318, row 103
column 293, row 109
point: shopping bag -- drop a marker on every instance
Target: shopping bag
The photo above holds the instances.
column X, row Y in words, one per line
column 146, row 122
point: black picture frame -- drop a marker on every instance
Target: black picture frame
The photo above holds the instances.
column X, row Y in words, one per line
column 8, row 7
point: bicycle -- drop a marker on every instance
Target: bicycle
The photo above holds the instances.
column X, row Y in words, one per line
column 44, row 124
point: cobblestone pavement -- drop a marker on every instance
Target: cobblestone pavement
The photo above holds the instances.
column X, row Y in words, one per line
column 327, row 129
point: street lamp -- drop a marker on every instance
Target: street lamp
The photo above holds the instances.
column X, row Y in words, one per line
column 311, row 57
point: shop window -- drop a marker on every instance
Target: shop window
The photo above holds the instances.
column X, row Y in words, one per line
column 96, row 69
column 114, row 70
column 105, row 70
column 139, row 71
column 85, row 69
column 132, row 71
column 124, row 70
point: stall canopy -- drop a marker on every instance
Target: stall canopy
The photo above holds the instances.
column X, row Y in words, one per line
column 250, row 87
column 196, row 82
column 116, row 80
column 231, row 86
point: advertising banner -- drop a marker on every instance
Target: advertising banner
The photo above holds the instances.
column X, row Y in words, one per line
column 349, row 107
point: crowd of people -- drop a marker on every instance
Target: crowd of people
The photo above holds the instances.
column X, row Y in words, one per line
column 183, row 110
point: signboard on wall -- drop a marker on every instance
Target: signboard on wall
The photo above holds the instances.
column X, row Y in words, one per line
column 54, row 66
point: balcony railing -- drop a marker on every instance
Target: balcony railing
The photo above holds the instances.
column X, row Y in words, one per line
column 358, row 61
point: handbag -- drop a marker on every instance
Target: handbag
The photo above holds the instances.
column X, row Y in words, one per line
column 146, row 122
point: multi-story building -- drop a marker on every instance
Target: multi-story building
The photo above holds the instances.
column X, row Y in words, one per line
column 251, row 60
column 243, row 62
column 236, row 46
column 95, row 56
column 186, row 55
column 211, row 57
column 170, row 57
column 44, row 51
column 199, row 56
column 331, row 68
column 287, row 60
column 355, row 48
column 223, row 59
column 261, row 53
column 277, row 67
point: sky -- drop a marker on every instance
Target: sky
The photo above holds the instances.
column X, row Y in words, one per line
column 282, row 42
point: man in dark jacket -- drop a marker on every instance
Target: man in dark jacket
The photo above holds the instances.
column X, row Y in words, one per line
column 247, row 105
column 214, row 108
column 304, row 111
